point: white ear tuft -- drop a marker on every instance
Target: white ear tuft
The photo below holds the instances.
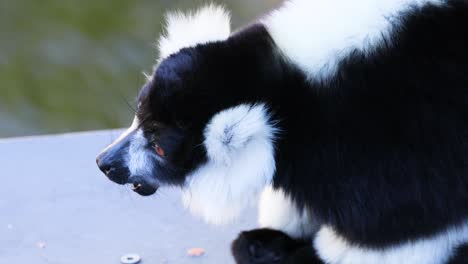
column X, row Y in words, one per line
column 241, row 161
column 208, row 24
column 231, row 130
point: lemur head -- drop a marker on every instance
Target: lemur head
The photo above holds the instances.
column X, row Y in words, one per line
column 204, row 120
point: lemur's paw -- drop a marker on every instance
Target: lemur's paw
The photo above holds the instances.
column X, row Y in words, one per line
column 261, row 246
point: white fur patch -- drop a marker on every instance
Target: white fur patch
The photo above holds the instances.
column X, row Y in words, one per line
column 138, row 159
column 317, row 34
column 277, row 211
column 239, row 145
column 208, row 24
column 431, row 250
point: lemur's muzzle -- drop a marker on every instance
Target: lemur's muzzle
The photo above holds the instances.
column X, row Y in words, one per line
column 112, row 162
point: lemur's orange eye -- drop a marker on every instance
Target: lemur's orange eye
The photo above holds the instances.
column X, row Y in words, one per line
column 159, row 150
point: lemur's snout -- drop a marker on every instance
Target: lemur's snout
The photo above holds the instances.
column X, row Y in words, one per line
column 111, row 163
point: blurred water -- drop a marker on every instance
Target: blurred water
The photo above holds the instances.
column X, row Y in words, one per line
column 68, row 65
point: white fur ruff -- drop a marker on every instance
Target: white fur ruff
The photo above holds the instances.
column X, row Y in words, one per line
column 316, row 34
column 278, row 211
column 240, row 150
column 431, row 250
column 208, row 24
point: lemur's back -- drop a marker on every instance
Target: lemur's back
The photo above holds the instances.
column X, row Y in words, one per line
column 387, row 157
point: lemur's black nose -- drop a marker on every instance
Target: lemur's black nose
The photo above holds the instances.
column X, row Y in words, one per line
column 105, row 167
column 111, row 166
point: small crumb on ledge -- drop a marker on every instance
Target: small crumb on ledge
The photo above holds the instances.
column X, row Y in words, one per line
column 196, row 252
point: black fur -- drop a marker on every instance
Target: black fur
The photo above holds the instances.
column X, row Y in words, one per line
column 265, row 246
column 379, row 151
column 387, row 145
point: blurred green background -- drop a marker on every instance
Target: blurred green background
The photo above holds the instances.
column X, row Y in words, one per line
column 68, row 65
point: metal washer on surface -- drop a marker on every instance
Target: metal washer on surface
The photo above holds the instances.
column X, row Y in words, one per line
column 130, row 259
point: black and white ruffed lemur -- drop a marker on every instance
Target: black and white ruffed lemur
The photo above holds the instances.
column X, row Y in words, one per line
column 347, row 119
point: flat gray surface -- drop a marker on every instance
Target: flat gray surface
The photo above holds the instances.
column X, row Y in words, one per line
column 53, row 195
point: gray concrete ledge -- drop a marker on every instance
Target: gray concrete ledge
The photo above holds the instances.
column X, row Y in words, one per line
column 57, row 208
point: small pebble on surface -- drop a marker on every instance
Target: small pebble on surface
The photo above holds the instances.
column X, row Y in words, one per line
column 130, row 259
